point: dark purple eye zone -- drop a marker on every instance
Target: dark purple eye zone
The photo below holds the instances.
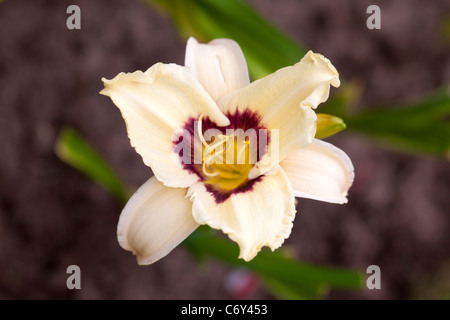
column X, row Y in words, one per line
column 245, row 126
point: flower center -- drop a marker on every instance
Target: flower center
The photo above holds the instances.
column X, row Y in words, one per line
column 226, row 161
column 222, row 157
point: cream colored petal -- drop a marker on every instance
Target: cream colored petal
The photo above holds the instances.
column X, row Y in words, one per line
column 219, row 66
column 155, row 104
column 320, row 171
column 155, row 220
column 285, row 99
column 259, row 217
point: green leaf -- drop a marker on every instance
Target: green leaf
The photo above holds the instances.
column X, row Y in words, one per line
column 423, row 127
column 289, row 291
column 266, row 48
column 71, row 148
column 286, row 276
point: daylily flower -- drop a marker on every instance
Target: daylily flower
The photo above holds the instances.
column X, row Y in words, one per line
column 251, row 198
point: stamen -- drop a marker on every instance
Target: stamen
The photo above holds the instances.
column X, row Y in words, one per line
column 222, row 160
column 246, row 143
column 210, row 156
column 200, row 131
column 213, row 147
column 212, row 151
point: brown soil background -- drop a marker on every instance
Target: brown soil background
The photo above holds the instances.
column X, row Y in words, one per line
column 51, row 216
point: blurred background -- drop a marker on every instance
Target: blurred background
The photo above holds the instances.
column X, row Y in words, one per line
column 52, row 216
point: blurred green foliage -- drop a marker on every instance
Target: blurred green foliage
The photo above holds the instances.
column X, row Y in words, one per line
column 266, row 48
column 422, row 127
column 75, row 151
column 284, row 276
